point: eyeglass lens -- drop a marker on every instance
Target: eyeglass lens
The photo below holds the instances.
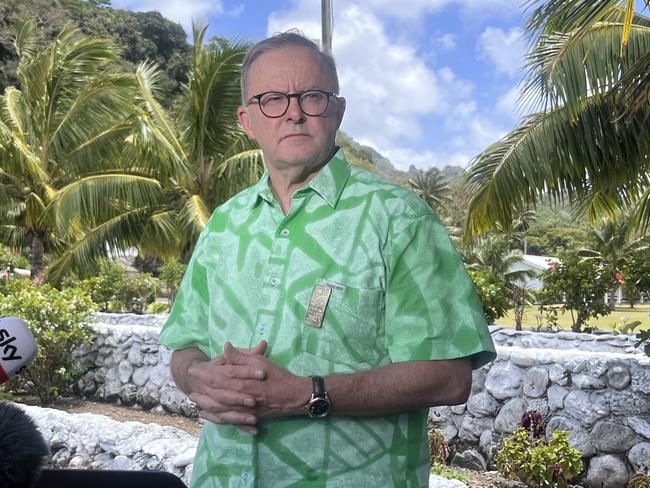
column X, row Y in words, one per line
column 312, row 102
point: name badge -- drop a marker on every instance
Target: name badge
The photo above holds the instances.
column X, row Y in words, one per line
column 317, row 305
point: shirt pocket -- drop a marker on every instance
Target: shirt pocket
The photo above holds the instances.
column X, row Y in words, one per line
column 350, row 330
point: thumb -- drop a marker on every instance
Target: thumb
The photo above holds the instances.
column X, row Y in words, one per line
column 259, row 349
column 233, row 355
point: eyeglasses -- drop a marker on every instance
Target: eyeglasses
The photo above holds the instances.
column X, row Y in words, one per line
column 276, row 104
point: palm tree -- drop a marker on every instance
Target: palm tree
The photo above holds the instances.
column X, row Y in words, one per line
column 65, row 125
column 432, row 187
column 589, row 142
column 198, row 160
column 490, row 254
column 612, row 243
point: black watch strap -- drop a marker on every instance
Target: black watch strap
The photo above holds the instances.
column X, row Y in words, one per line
column 319, row 385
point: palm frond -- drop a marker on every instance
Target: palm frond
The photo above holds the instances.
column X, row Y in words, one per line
column 25, row 41
column 194, row 215
column 588, row 158
column 567, row 68
column 120, row 232
column 162, row 236
column 95, row 198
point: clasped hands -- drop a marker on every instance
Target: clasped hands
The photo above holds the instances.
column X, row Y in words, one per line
column 242, row 387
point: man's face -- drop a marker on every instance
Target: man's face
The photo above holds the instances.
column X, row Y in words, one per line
column 294, row 139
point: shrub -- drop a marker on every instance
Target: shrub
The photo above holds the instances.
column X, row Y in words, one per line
column 157, row 307
column 580, row 284
column 103, row 288
column 57, row 321
column 171, row 274
column 113, row 291
column 493, row 294
column 538, row 463
column 136, row 292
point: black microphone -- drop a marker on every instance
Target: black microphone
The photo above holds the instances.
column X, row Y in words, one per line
column 23, row 450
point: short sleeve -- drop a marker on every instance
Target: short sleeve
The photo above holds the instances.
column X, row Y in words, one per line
column 187, row 324
column 432, row 308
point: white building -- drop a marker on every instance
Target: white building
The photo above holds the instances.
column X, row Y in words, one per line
column 535, row 264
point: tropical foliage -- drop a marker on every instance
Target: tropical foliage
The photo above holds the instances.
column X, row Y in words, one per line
column 65, row 127
column 432, row 187
column 588, row 142
column 197, row 161
column 101, row 166
column 580, row 284
column 59, row 320
column 490, row 254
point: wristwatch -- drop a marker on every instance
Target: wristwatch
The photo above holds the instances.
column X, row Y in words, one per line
column 319, row 404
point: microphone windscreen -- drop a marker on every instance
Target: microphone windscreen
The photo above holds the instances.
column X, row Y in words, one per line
column 17, row 347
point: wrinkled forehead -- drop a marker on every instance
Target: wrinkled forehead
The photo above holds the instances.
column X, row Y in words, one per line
column 288, row 69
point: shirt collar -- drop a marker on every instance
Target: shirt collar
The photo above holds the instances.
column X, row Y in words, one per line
column 328, row 183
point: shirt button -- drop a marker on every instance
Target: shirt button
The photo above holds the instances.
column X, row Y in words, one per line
column 284, row 232
column 275, row 281
column 261, row 329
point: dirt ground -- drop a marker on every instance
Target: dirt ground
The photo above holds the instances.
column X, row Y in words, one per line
column 478, row 479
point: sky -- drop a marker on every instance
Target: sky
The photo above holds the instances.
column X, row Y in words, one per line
column 427, row 82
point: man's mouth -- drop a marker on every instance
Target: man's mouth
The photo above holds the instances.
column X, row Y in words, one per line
column 290, row 136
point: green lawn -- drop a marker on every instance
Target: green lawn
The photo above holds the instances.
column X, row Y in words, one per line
column 621, row 314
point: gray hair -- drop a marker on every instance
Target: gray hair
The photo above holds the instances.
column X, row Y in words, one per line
column 286, row 39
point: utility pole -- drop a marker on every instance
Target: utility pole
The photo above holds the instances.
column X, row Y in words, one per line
column 327, row 21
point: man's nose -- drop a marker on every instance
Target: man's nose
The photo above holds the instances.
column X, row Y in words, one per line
column 294, row 112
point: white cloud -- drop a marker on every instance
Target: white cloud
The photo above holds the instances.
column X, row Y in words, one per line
column 181, row 11
column 505, row 50
column 507, row 103
column 416, row 9
column 402, row 158
column 386, row 84
column 394, row 97
column 445, row 42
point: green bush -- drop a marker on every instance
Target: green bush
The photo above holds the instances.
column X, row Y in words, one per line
column 493, row 294
column 113, row 291
column 171, row 274
column 157, row 307
column 136, row 292
column 538, row 463
column 580, row 284
column 104, row 288
column 57, row 319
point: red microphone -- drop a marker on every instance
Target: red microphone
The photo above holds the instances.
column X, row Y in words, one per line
column 17, row 347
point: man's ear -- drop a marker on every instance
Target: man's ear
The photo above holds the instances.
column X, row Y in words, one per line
column 340, row 110
column 244, row 120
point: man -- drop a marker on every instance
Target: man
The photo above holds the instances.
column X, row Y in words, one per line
column 319, row 270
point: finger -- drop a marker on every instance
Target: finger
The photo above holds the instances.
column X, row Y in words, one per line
column 259, row 349
column 218, row 376
column 249, row 429
column 219, row 400
column 232, row 355
column 232, row 417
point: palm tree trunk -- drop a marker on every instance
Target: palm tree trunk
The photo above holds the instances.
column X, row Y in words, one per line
column 37, row 254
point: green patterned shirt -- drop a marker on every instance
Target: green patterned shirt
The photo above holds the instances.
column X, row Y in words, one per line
column 398, row 291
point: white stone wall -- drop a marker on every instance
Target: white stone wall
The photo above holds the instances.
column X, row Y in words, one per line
column 595, row 386
column 89, row 441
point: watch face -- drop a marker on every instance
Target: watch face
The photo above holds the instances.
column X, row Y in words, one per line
column 319, row 407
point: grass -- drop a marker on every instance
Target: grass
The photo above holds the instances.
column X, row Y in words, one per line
column 449, row 473
column 619, row 316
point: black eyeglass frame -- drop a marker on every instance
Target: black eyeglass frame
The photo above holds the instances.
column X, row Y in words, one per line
column 288, row 96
